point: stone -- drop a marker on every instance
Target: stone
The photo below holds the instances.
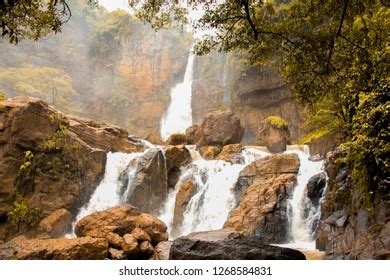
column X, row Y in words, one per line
column 315, row 187
column 51, row 179
column 116, row 254
column 156, row 229
column 162, row 250
column 240, row 247
column 85, row 248
column 219, row 128
column 130, row 246
column 191, row 134
column 146, row 248
column 149, row 184
column 177, row 139
column 210, row 152
column 261, row 193
column 114, row 240
column 176, row 157
column 120, row 219
column 140, row 235
column 231, row 153
column 155, row 139
column 56, row 224
column 188, row 189
column 273, row 133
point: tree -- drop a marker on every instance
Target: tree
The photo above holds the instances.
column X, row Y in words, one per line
column 334, row 55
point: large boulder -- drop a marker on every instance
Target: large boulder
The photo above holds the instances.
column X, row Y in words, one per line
column 315, row 187
column 144, row 182
column 219, row 128
column 261, row 192
column 273, row 133
column 228, row 246
column 121, row 220
column 176, row 157
column 56, row 224
column 86, row 248
column 45, row 164
column 191, row 134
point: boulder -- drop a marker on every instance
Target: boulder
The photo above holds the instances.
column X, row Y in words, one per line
column 56, row 224
column 45, row 165
column 315, row 187
column 233, row 247
column 148, row 184
column 261, row 193
column 85, row 248
column 231, row 153
column 121, row 220
column 130, row 246
column 219, row 128
column 155, row 139
column 191, row 134
column 188, row 189
column 114, row 240
column 140, row 235
column 273, row 133
column 162, row 250
column 176, row 157
column 210, row 152
column 177, row 139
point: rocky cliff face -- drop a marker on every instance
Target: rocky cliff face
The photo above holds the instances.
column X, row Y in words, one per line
column 50, row 164
column 253, row 93
column 353, row 226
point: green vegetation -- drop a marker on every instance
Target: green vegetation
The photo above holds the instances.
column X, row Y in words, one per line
column 21, row 214
column 334, row 56
column 28, row 156
column 277, row 122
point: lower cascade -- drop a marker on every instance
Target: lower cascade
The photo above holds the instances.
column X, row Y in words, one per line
column 213, row 198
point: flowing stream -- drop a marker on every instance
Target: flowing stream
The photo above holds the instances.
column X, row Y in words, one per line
column 178, row 117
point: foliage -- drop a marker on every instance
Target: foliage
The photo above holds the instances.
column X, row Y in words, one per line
column 277, row 122
column 21, row 214
column 28, row 156
column 47, row 83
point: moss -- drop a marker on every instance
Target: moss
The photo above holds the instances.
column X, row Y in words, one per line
column 21, row 214
column 277, row 122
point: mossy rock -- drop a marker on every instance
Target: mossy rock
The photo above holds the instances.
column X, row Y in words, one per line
column 177, row 139
column 277, row 122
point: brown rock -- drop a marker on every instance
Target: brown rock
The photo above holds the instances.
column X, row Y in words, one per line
column 116, row 254
column 273, row 133
column 177, row 139
column 191, row 134
column 56, row 224
column 114, row 240
column 130, row 245
column 176, row 157
column 119, row 219
column 219, row 128
column 187, row 189
column 154, row 139
column 156, row 229
column 210, row 152
column 231, row 153
column 162, row 250
column 140, row 235
column 146, row 248
column 85, row 248
column 261, row 191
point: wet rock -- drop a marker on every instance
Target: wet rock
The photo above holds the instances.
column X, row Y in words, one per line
column 56, row 224
column 219, row 128
column 210, row 152
column 155, row 139
column 177, row 139
column 149, row 182
column 140, row 235
column 315, row 187
column 85, row 248
column 116, row 254
column 231, row 153
column 191, row 134
column 239, row 247
column 176, row 157
column 261, row 193
column 162, row 250
column 273, row 133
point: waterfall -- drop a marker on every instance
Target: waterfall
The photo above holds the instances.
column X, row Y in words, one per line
column 301, row 225
column 178, row 117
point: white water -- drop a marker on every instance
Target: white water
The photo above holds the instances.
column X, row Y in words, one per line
column 179, row 114
column 209, row 208
column 301, row 227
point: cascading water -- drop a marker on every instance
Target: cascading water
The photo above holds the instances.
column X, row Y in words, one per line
column 301, row 225
column 209, row 208
column 179, row 114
